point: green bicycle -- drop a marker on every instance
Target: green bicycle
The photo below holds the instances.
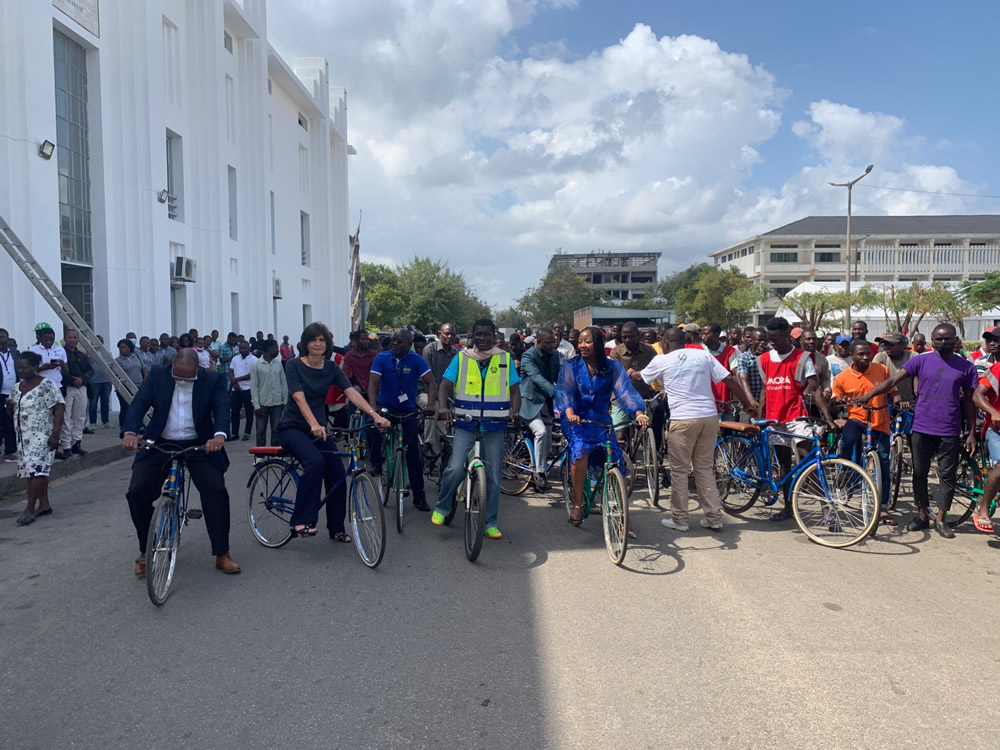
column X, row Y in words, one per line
column 394, row 477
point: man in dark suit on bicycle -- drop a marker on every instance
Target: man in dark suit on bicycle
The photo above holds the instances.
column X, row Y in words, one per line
column 190, row 407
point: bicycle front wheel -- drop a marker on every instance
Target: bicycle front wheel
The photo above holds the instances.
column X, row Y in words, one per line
column 968, row 480
column 566, row 475
column 896, row 468
column 835, row 502
column 367, row 520
column 737, row 464
column 615, row 516
column 651, row 464
column 162, row 543
column 399, row 485
column 271, row 501
column 516, row 474
column 874, row 468
column 475, row 512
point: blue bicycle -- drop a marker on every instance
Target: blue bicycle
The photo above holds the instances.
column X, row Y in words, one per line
column 834, row 501
column 519, row 459
column 271, row 497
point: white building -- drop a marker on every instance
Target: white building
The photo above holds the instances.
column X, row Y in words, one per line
column 198, row 179
column 888, row 249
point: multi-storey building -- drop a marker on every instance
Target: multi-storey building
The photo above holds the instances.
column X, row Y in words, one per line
column 196, row 180
column 617, row 276
column 887, row 249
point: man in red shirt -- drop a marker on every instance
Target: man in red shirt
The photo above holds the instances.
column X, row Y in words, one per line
column 859, row 332
column 987, row 398
column 692, row 336
column 788, row 373
column 726, row 356
column 357, row 364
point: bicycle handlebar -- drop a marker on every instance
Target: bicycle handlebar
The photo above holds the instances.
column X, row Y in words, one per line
column 150, row 445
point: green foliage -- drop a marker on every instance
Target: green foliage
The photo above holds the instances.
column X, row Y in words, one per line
column 510, row 317
column 952, row 306
column 722, row 296
column 556, row 298
column 815, row 309
column 424, row 293
column 901, row 306
column 668, row 288
column 985, row 293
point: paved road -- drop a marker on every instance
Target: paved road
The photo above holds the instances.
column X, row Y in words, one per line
column 749, row 638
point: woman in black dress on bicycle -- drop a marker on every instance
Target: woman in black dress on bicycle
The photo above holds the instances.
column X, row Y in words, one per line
column 302, row 432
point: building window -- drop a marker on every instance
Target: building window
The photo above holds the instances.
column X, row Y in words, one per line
column 233, row 223
column 273, row 244
column 828, row 257
column 784, row 257
column 231, row 108
column 942, row 244
column 270, row 140
column 826, row 247
column 304, row 237
column 175, row 177
column 227, row 42
column 171, row 62
column 234, row 310
column 269, row 86
column 781, row 291
column 303, row 122
column 784, row 247
column 908, row 244
column 642, row 278
column 977, row 244
column 307, row 315
column 303, row 170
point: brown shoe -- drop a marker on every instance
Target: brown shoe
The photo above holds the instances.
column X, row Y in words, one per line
column 140, row 566
column 226, row 564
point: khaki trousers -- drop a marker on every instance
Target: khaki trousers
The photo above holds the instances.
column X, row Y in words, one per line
column 692, row 445
column 74, row 418
column 434, row 428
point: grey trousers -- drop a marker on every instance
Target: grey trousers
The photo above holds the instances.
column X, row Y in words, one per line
column 270, row 414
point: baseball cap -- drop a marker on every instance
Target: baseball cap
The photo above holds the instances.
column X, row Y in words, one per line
column 993, row 332
column 692, row 328
column 842, row 339
column 893, row 337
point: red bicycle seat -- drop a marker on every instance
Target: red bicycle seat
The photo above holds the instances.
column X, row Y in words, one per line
column 268, row 450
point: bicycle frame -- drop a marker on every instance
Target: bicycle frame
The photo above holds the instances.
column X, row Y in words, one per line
column 761, row 445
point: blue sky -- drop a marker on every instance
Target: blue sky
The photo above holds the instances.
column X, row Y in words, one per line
column 492, row 132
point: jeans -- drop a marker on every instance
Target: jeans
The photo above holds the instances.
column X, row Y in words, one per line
column 414, row 461
column 851, row 442
column 319, row 466
column 7, row 436
column 945, row 449
column 99, row 392
column 270, row 414
column 241, row 401
column 491, row 448
column 541, row 428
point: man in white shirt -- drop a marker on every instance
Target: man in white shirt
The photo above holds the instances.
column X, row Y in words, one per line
column 239, row 376
column 205, row 361
column 53, row 356
column 687, row 376
column 565, row 349
column 614, row 338
column 190, row 407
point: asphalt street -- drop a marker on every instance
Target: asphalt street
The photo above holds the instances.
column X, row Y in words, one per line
column 748, row 638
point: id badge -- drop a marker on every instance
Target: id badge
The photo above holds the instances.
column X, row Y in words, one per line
column 403, row 398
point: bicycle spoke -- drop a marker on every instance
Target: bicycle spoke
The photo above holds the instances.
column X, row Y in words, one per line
column 835, row 502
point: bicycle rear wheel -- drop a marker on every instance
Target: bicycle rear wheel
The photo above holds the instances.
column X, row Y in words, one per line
column 969, row 478
column 516, row 474
column 399, row 485
column 651, row 464
column 736, row 492
column 835, row 502
column 566, row 475
column 615, row 516
column 873, row 466
column 162, row 543
column 896, row 468
column 271, row 501
column 475, row 512
column 367, row 520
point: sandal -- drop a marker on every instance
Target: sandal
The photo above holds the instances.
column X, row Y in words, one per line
column 887, row 520
column 46, row 512
column 631, row 534
column 341, row 536
column 781, row 515
column 140, row 566
column 984, row 524
column 308, row 529
column 25, row 519
column 579, row 518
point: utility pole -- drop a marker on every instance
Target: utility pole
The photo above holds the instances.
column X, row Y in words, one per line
column 850, row 254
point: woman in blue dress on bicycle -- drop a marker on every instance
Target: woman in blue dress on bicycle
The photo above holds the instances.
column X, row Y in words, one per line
column 302, row 432
column 584, row 391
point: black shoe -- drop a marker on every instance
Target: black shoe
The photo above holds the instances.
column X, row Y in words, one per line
column 944, row 529
column 60, row 456
column 421, row 505
column 541, row 483
column 77, row 449
column 88, row 431
column 246, row 437
column 918, row 524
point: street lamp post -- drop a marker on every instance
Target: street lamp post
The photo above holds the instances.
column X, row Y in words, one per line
column 847, row 274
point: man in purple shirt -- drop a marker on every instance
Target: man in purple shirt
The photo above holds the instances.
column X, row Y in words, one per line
column 946, row 385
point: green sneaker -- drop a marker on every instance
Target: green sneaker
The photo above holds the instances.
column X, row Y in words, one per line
column 437, row 518
column 493, row 532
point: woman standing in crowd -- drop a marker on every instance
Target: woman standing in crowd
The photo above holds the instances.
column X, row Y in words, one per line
column 584, row 391
column 129, row 362
column 302, row 432
column 36, row 405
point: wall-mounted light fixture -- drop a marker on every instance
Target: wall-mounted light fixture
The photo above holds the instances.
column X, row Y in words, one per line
column 46, row 149
column 162, row 196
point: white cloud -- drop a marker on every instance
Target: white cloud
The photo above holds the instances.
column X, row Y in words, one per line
column 489, row 158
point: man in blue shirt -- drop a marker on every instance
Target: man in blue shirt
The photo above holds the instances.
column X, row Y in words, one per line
column 484, row 382
column 392, row 385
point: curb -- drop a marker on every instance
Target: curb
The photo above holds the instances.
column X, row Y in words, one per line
column 11, row 485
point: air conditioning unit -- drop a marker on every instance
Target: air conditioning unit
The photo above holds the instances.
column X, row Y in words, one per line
column 184, row 269
column 276, row 288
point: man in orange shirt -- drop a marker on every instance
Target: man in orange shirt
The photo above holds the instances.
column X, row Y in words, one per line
column 854, row 382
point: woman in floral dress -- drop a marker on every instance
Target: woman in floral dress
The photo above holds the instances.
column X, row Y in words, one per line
column 36, row 404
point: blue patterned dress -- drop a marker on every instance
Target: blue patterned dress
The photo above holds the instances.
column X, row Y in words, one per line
column 590, row 398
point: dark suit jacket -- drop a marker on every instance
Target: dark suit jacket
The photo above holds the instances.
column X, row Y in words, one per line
column 210, row 403
column 538, row 376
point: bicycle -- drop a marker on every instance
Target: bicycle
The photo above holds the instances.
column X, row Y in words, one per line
column 473, row 488
column 897, row 455
column 170, row 515
column 608, row 484
column 394, row 477
column 271, row 498
column 520, row 461
column 834, row 501
column 970, row 483
column 652, row 457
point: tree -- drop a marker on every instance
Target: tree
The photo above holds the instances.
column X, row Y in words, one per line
column 900, row 306
column 382, row 292
column 985, row 293
column 510, row 317
column 724, row 297
column 668, row 288
column 951, row 306
column 815, row 308
column 556, row 298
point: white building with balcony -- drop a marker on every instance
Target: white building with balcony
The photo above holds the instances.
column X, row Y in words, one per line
column 198, row 180
column 887, row 249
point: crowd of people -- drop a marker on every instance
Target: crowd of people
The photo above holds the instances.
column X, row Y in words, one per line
column 679, row 380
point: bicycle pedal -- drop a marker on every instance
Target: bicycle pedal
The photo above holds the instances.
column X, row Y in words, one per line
column 194, row 514
column 406, row 493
